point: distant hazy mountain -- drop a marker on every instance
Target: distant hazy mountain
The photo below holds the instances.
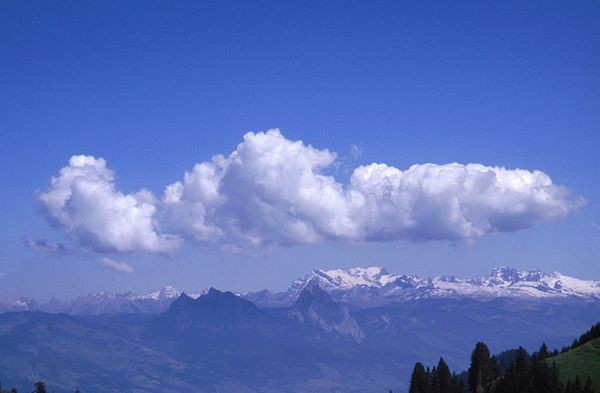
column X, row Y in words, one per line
column 364, row 287
column 104, row 302
column 222, row 342
column 114, row 303
column 69, row 353
column 298, row 349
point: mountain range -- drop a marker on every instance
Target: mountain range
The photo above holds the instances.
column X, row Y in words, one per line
column 375, row 286
column 363, row 287
column 338, row 331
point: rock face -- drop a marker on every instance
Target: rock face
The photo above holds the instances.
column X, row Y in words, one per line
column 315, row 307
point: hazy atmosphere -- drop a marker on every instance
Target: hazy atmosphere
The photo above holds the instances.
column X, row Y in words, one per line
column 149, row 105
column 299, row 197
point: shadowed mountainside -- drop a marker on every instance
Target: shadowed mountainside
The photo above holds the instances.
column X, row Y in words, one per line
column 222, row 342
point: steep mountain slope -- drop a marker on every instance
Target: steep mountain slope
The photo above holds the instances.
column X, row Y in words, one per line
column 583, row 361
column 214, row 323
column 68, row 354
column 264, row 350
column 205, row 344
column 319, row 341
column 315, row 307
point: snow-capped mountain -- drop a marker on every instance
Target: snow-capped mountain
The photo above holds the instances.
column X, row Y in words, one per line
column 358, row 286
column 105, row 302
column 167, row 292
column 346, row 279
column 375, row 286
column 502, row 282
column 27, row 304
column 126, row 303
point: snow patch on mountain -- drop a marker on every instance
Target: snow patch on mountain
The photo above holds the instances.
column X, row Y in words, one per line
column 167, row 292
column 346, row 279
column 375, row 284
column 360, row 286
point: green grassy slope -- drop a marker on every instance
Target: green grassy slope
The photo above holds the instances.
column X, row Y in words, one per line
column 583, row 361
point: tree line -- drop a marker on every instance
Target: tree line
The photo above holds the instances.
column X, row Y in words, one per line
column 514, row 371
column 39, row 387
column 590, row 335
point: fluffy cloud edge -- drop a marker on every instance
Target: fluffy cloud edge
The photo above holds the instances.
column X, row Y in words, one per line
column 83, row 200
column 274, row 192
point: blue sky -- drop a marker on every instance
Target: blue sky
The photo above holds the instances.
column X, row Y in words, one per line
column 156, row 87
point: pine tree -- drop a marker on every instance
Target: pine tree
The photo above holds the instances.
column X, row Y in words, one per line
column 545, row 378
column 518, row 376
column 483, row 370
column 40, row 387
column 543, row 352
column 444, row 378
column 419, row 379
column 433, row 386
column 458, row 386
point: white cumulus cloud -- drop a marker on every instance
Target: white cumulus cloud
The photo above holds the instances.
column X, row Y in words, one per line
column 82, row 199
column 271, row 192
column 119, row 266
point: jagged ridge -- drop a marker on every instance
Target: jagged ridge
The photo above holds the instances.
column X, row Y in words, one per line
column 360, row 286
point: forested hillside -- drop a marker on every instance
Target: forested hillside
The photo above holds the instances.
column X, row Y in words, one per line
column 582, row 359
column 575, row 370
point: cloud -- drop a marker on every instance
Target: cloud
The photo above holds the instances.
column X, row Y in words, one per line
column 356, row 151
column 2, row 275
column 45, row 245
column 82, row 199
column 119, row 266
column 272, row 192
